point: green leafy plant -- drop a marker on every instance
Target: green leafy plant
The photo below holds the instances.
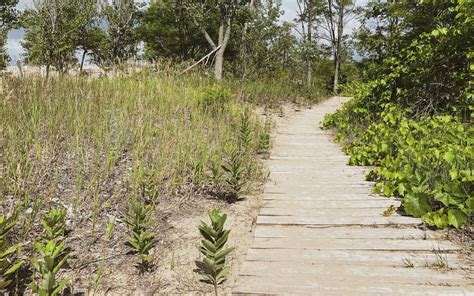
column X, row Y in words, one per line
column 215, row 171
column 147, row 185
column 9, row 264
column 426, row 161
column 54, row 224
column 213, row 248
column 245, row 131
column 264, row 143
column 234, row 169
column 53, row 257
column 53, row 254
column 142, row 240
column 215, row 98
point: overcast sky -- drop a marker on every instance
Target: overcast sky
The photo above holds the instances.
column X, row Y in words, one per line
column 15, row 50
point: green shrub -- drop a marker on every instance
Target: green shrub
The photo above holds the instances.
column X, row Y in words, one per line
column 429, row 162
column 215, row 98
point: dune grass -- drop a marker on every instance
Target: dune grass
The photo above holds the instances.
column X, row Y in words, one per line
column 86, row 143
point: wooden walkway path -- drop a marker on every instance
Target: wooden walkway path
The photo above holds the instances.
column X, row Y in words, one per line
column 321, row 231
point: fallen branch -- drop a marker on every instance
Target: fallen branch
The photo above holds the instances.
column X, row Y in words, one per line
column 198, row 62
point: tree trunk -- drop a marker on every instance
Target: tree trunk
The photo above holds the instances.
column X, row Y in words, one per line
column 336, row 74
column 309, row 57
column 219, row 64
column 82, row 61
column 337, row 53
column 224, row 36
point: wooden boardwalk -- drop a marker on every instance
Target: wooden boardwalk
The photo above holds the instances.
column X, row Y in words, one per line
column 321, row 231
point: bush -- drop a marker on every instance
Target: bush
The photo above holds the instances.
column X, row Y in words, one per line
column 428, row 162
column 214, row 98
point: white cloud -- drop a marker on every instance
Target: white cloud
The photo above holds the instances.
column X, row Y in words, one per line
column 13, row 46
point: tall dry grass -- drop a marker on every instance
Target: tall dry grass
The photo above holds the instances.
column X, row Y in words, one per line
column 87, row 144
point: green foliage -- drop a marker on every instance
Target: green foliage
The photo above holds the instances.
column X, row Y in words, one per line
column 213, row 248
column 413, row 119
column 53, row 255
column 52, row 41
column 419, row 54
column 147, row 185
column 118, row 39
column 215, row 98
column 8, row 16
column 234, row 169
column 54, row 224
column 245, row 131
column 264, row 142
column 142, row 240
column 428, row 161
column 168, row 32
column 9, row 263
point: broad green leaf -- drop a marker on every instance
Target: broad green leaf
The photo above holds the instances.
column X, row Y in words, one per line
column 417, row 204
column 456, row 217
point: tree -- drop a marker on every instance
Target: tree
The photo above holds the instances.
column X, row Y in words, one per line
column 336, row 15
column 223, row 14
column 51, row 33
column 308, row 19
column 118, row 38
column 8, row 16
column 89, row 33
column 169, row 33
column 267, row 46
column 423, row 51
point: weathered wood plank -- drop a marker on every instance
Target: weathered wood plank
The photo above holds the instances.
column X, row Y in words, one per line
column 389, row 274
column 344, row 232
column 353, row 244
column 285, row 285
column 356, row 257
column 334, row 220
column 326, row 213
column 335, row 204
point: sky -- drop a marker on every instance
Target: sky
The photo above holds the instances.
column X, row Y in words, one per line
column 15, row 49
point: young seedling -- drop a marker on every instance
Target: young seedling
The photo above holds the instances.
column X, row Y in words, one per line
column 142, row 240
column 8, row 261
column 213, row 248
column 53, row 257
column 245, row 132
column 264, row 139
column 53, row 254
column 233, row 166
column 54, row 224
